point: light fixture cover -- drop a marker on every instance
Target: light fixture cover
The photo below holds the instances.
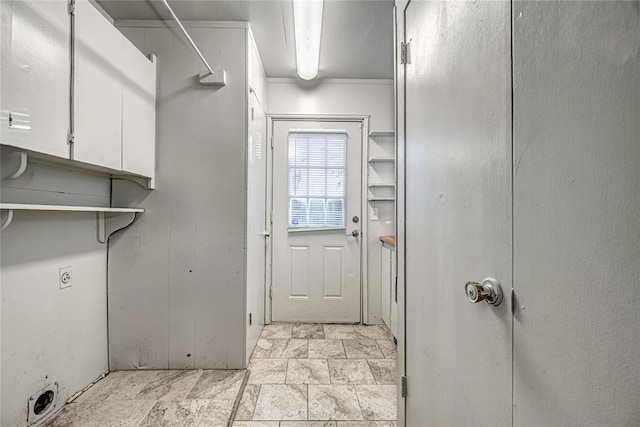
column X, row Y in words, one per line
column 307, row 22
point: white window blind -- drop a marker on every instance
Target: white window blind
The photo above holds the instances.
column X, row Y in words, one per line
column 317, row 179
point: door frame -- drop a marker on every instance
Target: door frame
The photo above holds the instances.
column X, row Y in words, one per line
column 364, row 216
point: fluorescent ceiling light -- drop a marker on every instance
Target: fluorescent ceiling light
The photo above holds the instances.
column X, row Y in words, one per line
column 307, row 23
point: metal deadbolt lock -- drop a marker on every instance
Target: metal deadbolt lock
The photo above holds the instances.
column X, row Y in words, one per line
column 355, row 219
column 489, row 290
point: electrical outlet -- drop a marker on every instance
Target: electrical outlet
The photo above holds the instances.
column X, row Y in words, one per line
column 374, row 214
column 66, row 277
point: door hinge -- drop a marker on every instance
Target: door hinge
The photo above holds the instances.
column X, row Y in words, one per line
column 403, row 386
column 404, row 53
column 272, row 142
column 395, row 290
column 70, row 137
column 71, row 7
column 253, row 115
column 271, row 292
column 10, row 120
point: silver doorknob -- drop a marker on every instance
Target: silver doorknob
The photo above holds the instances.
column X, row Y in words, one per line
column 354, row 233
column 489, row 290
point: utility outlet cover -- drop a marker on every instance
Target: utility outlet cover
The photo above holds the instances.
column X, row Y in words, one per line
column 66, row 277
column 42, row 403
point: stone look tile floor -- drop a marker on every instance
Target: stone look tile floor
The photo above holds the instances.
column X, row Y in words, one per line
column 309, row 375
column 302, row 375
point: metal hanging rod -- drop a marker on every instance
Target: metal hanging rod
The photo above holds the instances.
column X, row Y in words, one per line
column 213, row 78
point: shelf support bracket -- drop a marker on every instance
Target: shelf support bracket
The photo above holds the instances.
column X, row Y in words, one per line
column 22, row 164
column 7, row 222
column 109, row 224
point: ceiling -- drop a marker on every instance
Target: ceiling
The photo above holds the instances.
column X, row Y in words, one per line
column 357, row 35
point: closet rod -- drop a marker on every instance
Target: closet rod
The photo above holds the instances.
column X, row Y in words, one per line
column 193, row 44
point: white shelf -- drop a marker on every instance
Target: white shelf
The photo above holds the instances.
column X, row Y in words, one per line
column 52, row 208
column 382, row 199
column 381, row 159
column 106, row 224
column 375, row 185
column 375, row 133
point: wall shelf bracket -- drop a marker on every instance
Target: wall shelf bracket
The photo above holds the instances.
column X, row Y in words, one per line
column 7, row 222
column 110, row 223
column 19, row 157
column 146, row 183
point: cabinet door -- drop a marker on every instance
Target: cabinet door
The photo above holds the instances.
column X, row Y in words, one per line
column 138, row 112
column 35, row 76
column 98, row 89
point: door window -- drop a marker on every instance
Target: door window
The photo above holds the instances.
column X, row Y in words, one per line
column 317, row 179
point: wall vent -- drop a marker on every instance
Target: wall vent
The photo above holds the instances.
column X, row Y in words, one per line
column 42, row 403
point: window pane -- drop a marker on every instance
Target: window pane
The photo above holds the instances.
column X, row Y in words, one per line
column 298, row 182
column 316, row 213
column 298, row 213
column 335, row 183
column 317, row 182
column 335, row 212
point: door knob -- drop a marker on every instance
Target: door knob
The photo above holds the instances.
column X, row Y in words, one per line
column 354, row 233
column 489, row 290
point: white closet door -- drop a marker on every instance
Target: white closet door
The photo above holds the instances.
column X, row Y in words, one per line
column 458, row 212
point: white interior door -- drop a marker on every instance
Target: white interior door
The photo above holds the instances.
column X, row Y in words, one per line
column 458, row 212
column 316, row 218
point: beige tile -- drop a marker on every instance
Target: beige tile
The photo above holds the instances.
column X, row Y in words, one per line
column 102, row 414
column 308, row 331
column 308, row 424
column 350, row 371
column 168, row 413
column 372, row 332
column 307, row 371
column 340, row 332
column 169, row 385
column 333, row 402
column 288, row 349
column 281, row 402
column 262, row 349
column 326, row 349
column 362, row 349
column 120, row 385
column 256, row 424
column 248, row 402
column 378, row 402
column 383, row 370
column 388, row 348
column 217, row 413
column 366, row 424
column 217, row 384
column 268, row 371
column 277, row 331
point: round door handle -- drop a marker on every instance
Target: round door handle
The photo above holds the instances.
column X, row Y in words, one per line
column 489, row 290
column 354, row 233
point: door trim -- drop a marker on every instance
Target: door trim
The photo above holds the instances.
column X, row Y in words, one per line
column 364, row 121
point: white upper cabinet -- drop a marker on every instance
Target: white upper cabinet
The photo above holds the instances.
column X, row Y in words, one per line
column 138, row 112
column 114, row 97
column 35, row 76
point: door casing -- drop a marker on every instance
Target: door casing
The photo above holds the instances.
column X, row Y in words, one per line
column 364, row 121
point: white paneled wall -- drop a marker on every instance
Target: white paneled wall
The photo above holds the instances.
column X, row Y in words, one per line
column 51, row 334
column 177, row 278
